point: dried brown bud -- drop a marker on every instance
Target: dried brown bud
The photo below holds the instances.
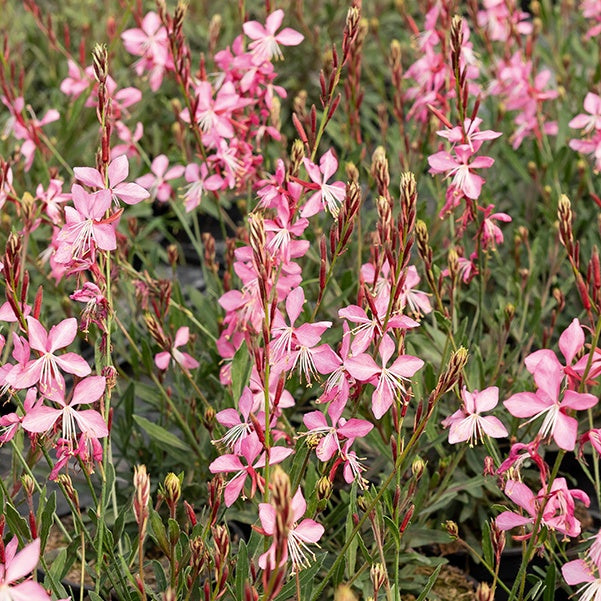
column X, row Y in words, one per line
column 101, row 62
column 324, row 488
column 452, row 529
column 379, row 171
column 297, row 154
column 352, row 173
column 172, row 255
column 198, row 553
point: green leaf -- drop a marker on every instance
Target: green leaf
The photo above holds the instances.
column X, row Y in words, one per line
column 159, row 532
column 430, row 583
column 46, row 518
column 159, row 574
column 351, row 552
column 487, row 551
column 160, row 435
column 94, row 596
column 241, row 368
column 17, row 524
column 241, row 569
column 549, row 594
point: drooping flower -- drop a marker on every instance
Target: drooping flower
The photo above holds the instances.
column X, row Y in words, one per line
column 299, row 534
column 184, row 359
column 328, row 196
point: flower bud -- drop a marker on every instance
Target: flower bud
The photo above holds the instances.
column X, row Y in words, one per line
column 417, row 467
column 173, row 489
column 142, row 496
column 324, row 488
column 377, row 574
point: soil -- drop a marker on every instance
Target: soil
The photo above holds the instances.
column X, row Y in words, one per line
column 452, row 584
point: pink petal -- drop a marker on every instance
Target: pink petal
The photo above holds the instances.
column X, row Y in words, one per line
column 91, row 423
column 233, row 489
column 105, row 236
column 73, row 364
column 289, row 37
column 565, row 432
column 356, row 428
column 28, row 591
column 182, row 336
column 487, row 399
column 88, row 391
column 508, row 520
column 309, row 531
column 254, row 30
column 576, row 572
column 161, row 360
column 362, row 367
column 118, row 170
column 38, row 337
column 62, row 334
column 314, row 420
column 406, row 366
column 578, row 400
column 441, row 162
column 571, row 340
column 294, row 304
column 274, row 20
column 131, row 193
column 328, row 165
column 267, row 517
column 41, row 419
column 89, row 177
column 525, row 404
column 226, row 463
column 23, row 562
column 493, row 427
column 159, row 165
column 381, row 400
column 461, row 430
column 521, row 495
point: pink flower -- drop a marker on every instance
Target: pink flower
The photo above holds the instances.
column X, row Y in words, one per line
column 250, row 448
column 42, row 418
column 328, row 196
column 86, row 227
column 592, row 121
column 299, row 535
column 156, row 181
column 390, row 380
column 558, row 511
column 184, row 359
column 461, row 169
column 117, row 171
column 546, row 402
column 587, row 571
column 45, row 369
column 467, row 424
column 266, row 44
column 491, row 232
column 16, row 566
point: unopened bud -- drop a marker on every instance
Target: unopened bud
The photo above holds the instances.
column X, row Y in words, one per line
column 352, row 173
column 142, row 496
column 198, row 553
column 484, row 592
column 173, row 489
column 509, row 313
column 417, row 467
column 28, row 484
column 377, row 574
column 379, row 170
column 489, row 466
